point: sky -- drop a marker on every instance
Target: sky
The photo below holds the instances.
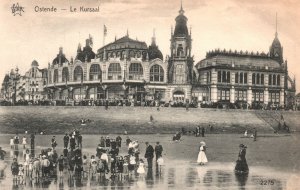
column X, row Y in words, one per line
column 225, row 24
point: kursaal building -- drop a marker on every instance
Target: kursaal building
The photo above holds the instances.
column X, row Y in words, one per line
column 129, row 69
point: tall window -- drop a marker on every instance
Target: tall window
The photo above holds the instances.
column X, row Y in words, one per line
column 179, row 50
column 179, row 74
column 135, row 71
column 253, row 78
column 270, row 79
column 236, row 77
column 258, row 78
column 208, row 77
column 245, row 78
column 95, row 72
column 65, row 74
column 55, row 77
column 224, row 76
column 78, row 74
column 114, row 71
column 278, row 80
column 157, row 73
column 241, row 78
column 262, row 79
column 274, row 79
column 219, row 76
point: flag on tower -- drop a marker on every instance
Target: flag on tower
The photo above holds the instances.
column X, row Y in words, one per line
column 104, row 30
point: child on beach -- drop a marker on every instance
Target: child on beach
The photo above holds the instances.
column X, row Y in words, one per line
column 141, row 168
column 125, row 168
column 61, row 165
column 24, row 142
column 21, row 173
column 120, row 167
column 160, row 163
column 15, row 169
column 11, row 143
column 85, row 165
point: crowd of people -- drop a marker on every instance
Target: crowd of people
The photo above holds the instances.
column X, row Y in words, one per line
column 105, row 164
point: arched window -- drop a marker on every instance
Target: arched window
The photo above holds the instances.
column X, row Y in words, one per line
column 179, row 50
column 262, row 79
column 241, row 78
column 65, row 74
column 278, row 80
column 157, row 73
column 78, row 74
column 55, row 77
column 245, row 78
column 258, row 78
column 274, row 79
column 95, row 72
column 123, row 55
column 135, row 71
column 228, row 77
column 224, row 76
column 114, row 71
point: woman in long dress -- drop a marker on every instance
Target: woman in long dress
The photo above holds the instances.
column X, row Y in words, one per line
column 241, row 164
column 202, row 156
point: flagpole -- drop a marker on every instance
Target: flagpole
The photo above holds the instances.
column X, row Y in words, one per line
column 103, row 35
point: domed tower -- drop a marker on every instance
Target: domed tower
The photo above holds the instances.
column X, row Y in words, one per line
column 181, row 62
column 153, row 50
column 276, row 50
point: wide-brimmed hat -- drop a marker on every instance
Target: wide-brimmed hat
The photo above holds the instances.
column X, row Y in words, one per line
column 241, row 145
column 203, row 143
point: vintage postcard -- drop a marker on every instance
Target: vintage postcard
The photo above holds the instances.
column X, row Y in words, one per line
column 149, row 94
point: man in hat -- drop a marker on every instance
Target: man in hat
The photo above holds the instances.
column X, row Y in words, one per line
column 158, row 150
column 149, row 154
column 53, row 142
column 66, row 140
column 254, row 134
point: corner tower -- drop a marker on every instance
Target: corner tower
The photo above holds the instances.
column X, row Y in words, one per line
column 276, row 50
column 181, row 62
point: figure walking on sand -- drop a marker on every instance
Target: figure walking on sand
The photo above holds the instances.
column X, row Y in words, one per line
column 241, row 164
column 202, row 156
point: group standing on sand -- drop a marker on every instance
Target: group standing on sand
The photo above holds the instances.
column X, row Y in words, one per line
column 106, row 160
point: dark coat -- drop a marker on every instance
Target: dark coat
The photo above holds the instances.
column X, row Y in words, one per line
column 158, row 149
column 149, row 152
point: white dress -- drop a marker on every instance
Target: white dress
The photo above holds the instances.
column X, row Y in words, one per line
column 24, row 141
column 202, row 156
column 160, row 161
column 12, row 142
column 141, row 169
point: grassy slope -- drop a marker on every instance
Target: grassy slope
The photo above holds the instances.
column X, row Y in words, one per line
column 136, row 119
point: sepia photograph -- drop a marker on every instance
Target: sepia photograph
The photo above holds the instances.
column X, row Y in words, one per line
column 149, row 94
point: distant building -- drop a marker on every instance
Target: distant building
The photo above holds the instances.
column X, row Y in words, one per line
column 253, row 78
column 35, row 80
column 128, row 70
